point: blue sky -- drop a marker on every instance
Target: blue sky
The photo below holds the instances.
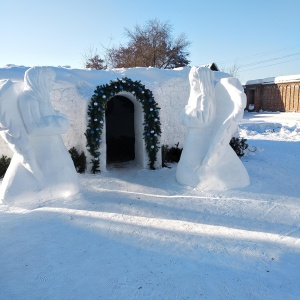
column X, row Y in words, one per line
column 262, row 37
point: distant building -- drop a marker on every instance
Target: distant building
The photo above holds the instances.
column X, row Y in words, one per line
column 213, row 66
column 274, row 94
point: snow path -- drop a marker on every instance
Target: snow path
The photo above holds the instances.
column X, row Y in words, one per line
column 176, row 226
column 137, row 234
column 134, row 244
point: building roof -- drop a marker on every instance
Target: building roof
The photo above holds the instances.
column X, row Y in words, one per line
column 271, row 80
column 213, row 66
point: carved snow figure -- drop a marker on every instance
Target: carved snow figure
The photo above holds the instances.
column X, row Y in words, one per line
column 214, row 109
column 41, row 167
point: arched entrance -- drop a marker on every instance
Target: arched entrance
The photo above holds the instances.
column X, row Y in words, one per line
column 146, row 123
column 120, row 135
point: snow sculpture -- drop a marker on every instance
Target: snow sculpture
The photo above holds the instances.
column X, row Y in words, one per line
column 41, row 167
column 214, row 109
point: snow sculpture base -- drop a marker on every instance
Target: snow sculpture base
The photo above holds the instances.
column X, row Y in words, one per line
column 214, row 109
column 41, row 167
column 56, row 180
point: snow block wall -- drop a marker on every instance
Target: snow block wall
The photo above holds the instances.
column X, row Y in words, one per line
column 65, row 99
column 73, row 89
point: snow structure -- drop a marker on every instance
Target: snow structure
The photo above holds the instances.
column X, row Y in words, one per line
column 41, row 166
column 73, row 89
column 214, row 109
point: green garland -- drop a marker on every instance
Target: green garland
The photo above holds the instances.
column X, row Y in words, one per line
column 96, row 115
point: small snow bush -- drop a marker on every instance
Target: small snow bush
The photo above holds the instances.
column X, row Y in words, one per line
column 170, row 155
column 239, row 145
column 79, row 160
column 4, row 163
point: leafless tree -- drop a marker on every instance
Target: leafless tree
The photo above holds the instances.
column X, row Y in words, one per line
column 150, row 45
column 232, row 70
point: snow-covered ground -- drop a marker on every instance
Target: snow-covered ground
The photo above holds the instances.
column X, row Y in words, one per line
column 137, row 234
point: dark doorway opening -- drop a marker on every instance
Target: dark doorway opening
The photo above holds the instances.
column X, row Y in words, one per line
column 120, row 137
column 251, row 96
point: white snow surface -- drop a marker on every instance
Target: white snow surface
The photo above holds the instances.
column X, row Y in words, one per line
column 133, row 233
column 278, row 79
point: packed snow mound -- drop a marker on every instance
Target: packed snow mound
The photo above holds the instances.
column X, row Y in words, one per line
column 267, row 130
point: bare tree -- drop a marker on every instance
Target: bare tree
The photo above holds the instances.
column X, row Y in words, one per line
column 150, row 45
column 232, row 70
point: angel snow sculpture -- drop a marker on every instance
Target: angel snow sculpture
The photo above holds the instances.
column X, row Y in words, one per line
column 41, row 167
column 214, row 109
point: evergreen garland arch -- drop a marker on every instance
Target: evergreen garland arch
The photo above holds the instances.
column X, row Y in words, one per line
column 96, row 117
